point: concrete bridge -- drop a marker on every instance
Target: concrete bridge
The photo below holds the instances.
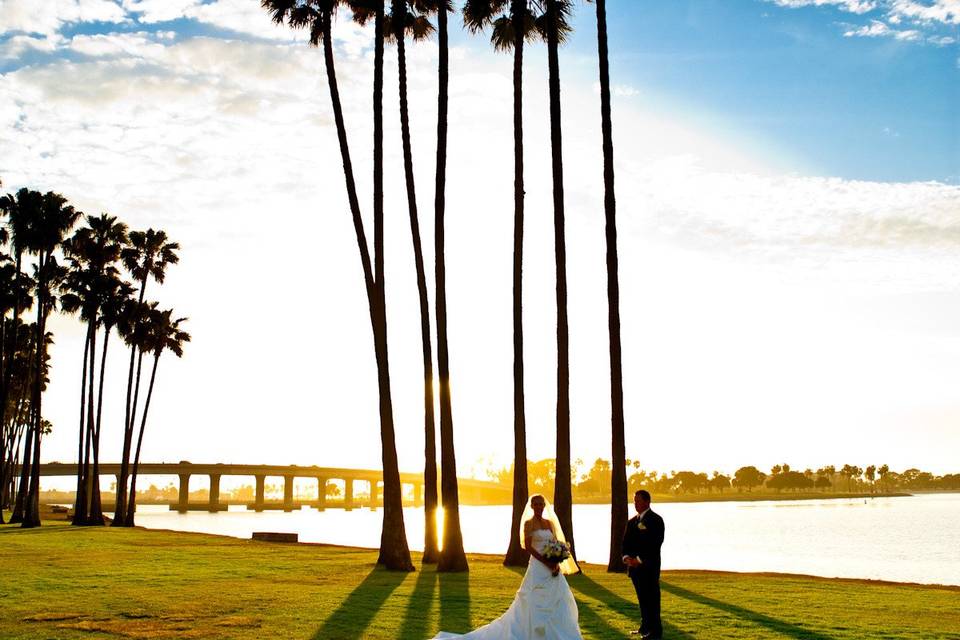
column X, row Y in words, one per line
column 471, row 491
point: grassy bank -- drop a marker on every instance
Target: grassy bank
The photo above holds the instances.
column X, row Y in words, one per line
column 66, row 582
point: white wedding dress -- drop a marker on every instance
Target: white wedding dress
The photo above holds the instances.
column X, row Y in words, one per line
column 543, row 609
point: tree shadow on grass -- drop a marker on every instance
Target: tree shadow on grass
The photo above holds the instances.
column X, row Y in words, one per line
column 780, row 626
column 454, row 602
column 421, row 599
column 358, row 610
column 617, row 603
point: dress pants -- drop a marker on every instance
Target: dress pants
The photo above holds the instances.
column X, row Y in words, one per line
column 646, row 582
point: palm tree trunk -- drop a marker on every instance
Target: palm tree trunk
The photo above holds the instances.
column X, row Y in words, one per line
column 7, row 376
column 452, row 558
column 562, row 492
column 618, row 467
column 394, row 553
column 429, row 424
column 516, row 555
column 132, row 502
column 431, row 553
column 95, row 516
column 31, row 516
column 20, row 502
column 80, row 501
column 121, row 495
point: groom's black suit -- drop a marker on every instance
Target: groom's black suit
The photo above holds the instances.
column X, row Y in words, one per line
column 642, row 539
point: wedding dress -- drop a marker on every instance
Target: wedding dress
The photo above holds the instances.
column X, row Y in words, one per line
column 543, row 609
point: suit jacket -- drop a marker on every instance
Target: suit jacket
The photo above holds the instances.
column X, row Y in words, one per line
column 643, row 538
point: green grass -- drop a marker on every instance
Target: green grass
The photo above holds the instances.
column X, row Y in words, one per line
column 65, row 582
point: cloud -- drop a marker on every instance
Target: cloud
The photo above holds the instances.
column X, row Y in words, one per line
column 851, row 6
column 939, row 11
column 876, row 28
column 48, row 16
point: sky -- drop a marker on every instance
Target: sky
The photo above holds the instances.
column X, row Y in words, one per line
column 788, row 200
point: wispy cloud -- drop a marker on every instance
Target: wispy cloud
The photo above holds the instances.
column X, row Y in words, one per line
column 47, row 17
column 925, row 20
column 852, row 6
column 877, row 28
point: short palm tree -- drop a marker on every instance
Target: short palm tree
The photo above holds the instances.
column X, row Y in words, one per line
column 316, row 17
column 147, row 255
column 163, row 333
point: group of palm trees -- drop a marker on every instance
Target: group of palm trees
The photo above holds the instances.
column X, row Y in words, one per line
column 512, row 24
column 76, row 271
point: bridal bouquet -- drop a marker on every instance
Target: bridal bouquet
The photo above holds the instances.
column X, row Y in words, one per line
column 556, row 551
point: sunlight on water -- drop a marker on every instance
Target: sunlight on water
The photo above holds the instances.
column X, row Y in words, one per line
column 440, row 516
column 911, row 539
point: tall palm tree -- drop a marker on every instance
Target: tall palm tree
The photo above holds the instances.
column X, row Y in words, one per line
column 618, row 467
column 163, row 334
column 555, row 27
column 316, row 16
column 409, row 17
column 47, row 232
column 148, row 254
column 512, row 23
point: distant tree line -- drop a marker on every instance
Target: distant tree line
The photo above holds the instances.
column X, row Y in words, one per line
column 594, row 481
column 55, row 259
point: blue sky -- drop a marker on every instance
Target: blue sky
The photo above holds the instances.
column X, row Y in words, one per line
column 871, row 108
column 789, row 214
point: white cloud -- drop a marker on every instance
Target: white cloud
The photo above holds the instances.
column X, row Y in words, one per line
column 150, row 11
column 134, row 45
column 942, row 11
column 852, row 6
column 46, row 17
column 876, row 28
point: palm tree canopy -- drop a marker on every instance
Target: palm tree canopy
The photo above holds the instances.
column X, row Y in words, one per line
column 407, row 18
column 498, row 15
column 149, row 254
column 48, row 226
column 564, row 9
column 315, row 15
column 20, row 209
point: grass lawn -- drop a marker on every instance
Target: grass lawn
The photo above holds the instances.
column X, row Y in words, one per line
column 65, row 582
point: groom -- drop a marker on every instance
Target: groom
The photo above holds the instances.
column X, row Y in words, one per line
column 641, row 554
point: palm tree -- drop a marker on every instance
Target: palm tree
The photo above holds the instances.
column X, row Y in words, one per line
column 147, row 255
column 19, row 209
column 554, row 26
column 47, row 231
column 117, row 297
column 316, row 16
column 618, row 470
column 510, row 29
column 93, row 281
column 163, row 334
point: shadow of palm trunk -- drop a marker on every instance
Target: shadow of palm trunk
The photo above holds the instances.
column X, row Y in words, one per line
column 454, row 602
column 584, row 585
column 415, row 618
column 358, row 610
column 783, row 627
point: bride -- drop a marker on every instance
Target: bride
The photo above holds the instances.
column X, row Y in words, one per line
column 544, row 608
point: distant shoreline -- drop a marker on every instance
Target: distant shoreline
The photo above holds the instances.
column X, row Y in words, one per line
column 68, row 499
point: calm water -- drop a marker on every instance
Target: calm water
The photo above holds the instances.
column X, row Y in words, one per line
column 915, row 539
